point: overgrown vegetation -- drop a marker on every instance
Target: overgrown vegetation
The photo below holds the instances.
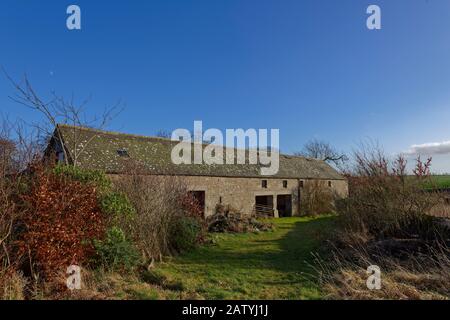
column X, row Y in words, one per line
column 96, row 178
column 185, row 234
column 317, row 199
column 58, row 219
column 116, row 252
column 386, row 222
column 54, row 217
column 167, row 220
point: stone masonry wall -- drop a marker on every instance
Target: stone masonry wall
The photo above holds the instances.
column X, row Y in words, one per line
column 240, row 192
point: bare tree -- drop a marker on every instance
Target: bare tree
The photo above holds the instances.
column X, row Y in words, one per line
column 18, row 149
column 160, row 203
column 7, row 147
column 58, row 110
column 7, row 205
column 322, row 150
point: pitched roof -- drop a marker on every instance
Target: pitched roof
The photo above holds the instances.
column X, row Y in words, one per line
column 101, row 151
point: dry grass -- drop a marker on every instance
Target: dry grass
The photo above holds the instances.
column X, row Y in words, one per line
column 95, row 285
column 12, row 285
column 415, row 277
column 386, row 222
column 441, row 210
column 351, row 284
column 157, row 203
column 105, row 285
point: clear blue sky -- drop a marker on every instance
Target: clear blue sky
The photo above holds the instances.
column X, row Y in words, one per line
column 310, row 68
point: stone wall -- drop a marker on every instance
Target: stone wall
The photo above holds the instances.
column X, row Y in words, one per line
column 240, row 192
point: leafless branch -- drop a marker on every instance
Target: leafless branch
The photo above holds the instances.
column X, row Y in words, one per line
column 322, row 150
column 59, row 110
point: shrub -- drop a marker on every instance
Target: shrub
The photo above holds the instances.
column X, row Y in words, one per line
column 60, row 217
column 316, row 199
column 8, row 216
column 386, row 222
column 160, row 204
column 115, row 251
column 185, row 234
column 117, row 207
column 8, row 191
column 95, row 177
column 385, row 203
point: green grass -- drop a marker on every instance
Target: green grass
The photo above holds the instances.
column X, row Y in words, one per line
column 438, row 182
column 266, row 265
column 442, row 182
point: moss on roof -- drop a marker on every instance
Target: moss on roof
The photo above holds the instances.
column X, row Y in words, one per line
column 100, row 151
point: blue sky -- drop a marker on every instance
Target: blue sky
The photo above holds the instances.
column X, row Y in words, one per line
column 310, row 68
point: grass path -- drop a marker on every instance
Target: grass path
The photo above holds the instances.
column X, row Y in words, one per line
column 266, row 265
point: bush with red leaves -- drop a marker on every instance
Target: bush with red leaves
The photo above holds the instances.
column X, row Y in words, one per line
column 61, row 217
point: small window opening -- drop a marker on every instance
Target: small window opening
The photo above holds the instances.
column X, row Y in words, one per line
column 329, row 184
column 264, row 184
column 285, row 183
column 302, row 184
column 123, row 153
column 60, row 157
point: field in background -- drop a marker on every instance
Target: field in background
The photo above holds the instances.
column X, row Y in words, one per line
column 440, row 182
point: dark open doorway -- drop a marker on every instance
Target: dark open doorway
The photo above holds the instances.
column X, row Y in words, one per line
column 284, row 205
column 199, row 197
column 264, row 206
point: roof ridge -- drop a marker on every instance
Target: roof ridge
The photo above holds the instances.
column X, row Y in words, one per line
column 113, row 132
column 102, row 131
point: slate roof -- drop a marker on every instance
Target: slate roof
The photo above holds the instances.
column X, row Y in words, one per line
column 102, row 148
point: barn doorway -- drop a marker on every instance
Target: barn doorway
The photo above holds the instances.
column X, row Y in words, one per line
column 264, row 206
column 199, row 198
column 284, row 205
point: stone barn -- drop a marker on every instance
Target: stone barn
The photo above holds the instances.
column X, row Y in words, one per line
column 239, row 185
